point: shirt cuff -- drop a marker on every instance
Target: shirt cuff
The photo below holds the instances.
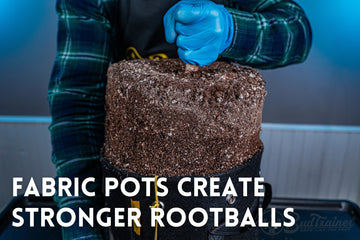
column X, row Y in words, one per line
column 245, row 36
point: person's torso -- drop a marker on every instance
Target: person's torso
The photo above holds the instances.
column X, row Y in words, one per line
column 138, row 30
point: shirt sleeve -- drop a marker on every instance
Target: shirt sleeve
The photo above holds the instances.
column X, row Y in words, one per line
column 76, row 98
column 268, row 33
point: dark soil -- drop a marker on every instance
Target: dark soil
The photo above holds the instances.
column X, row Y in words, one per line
column 164, row 121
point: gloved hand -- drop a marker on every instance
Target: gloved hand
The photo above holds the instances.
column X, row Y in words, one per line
column 202, row 30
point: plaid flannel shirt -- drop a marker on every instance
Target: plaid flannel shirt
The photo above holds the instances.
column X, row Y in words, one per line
column 267, row 34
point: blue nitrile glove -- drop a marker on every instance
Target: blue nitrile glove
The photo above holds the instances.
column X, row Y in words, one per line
column 202, row 30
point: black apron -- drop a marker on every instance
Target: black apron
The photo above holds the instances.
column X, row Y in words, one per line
column 139, row 30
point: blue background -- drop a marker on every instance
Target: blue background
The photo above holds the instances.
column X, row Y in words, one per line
column 323, row 90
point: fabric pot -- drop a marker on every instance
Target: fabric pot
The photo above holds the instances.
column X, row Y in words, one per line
column 175, row 199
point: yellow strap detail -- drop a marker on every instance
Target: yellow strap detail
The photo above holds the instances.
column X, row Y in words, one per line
column 132, row 53
column 158, row 56
column 135, row 204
